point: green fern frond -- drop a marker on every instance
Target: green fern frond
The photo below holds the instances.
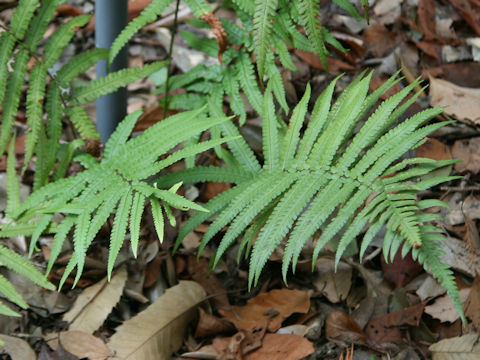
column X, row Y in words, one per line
column 198, row 7
column 107, row 187
column 262, row 24
column 40, row 22
column 138, row 203
column 309, row 10
column 35, row 95
column 8, row 291
column 61, row 38
column 79, row 64
column 246, row 5
column 22, row 16
column 113, row 81
column 157, row 218
column 12, row 96
column 80, row 119
column 119, row 230
column 13, row 184
column 333, row 181
column 248, row 83
column 349, row 7
column 22, row 266
column 149, row 14
column 271, row 150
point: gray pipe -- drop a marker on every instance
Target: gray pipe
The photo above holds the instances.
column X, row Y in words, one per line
column 111, row 16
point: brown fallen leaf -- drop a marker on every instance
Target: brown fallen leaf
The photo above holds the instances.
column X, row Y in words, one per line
column 333, row 284
column 342, row 329
column 273, row 307
column 426, row 18
column 434, row 149
column 95, row 303
column 461, row 102
column 275, row 346
column 158, row 330
column 199, row 270
column 467, row 150
column 209, row 324
column 402, row 270
column 214, row 188
column 239, row 345
column 150, row 117
column 69, row 10
column 58, row 354
column 335, row 66
column 443, row 308
column 470, row 12
column 472, row 304
column 16, row 348
column 385, row 329
column 462, row 74
column 466, row 347
column 81, row 344
column 378, row 40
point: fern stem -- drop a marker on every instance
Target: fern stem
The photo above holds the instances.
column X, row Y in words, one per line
column 170, row 55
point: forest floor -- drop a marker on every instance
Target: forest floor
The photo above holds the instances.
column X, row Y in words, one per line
column 366, row 310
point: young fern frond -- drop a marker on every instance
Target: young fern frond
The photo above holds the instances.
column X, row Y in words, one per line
column 333, row 181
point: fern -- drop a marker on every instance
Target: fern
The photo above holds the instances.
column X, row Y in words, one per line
column 333, row 181
column 264, row 13
column 116, row 185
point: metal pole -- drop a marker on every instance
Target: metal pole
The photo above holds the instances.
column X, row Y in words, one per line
column 111, row 16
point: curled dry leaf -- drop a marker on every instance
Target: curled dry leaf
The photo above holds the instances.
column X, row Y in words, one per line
column 273, row 307
column 18, row 349
column 461, row 102
column 385, row 329
column 466, row 347
column 218, row 31
column 342, row 329
column 95, row 303
column 158, row 330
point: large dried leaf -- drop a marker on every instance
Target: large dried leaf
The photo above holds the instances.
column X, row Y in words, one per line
column 443, row 308
column 334, row 284
column 461, row 102
column 80, row 344
column 18, row 349
column 466, row 347
column 272, row 307
column 95, row 303
column 158, row 330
